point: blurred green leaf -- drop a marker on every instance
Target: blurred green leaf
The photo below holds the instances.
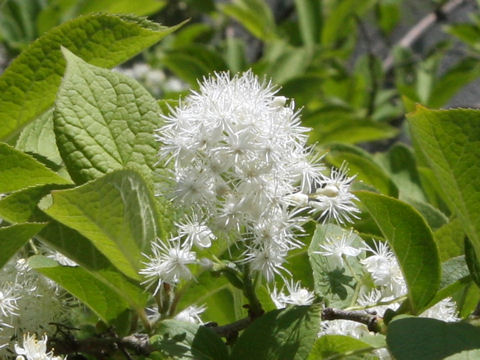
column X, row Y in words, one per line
column 363, row 166
column 309, row 21
column 254, row 15
column 341, row 126
column 430, row 339
column 412, row 242
column 280, row 334
column 472, row 261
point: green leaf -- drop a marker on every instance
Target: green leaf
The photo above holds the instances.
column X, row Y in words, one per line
column 13, row 237
column 338, row 347
column 309, row 21
column 116, row 213
column 363, row 166
column 186, row 341
column 449, row 141
column 430, row 339
column 465, row 355
column 79, row 249
column 455, row 276
column 20, row 170
column 38, row 138
column 29, row 85
column 412, row 242
column 102, row 300
column 254, row 15
column 472, row 262
column 145, row 7
column 21, row 206
column 333, row 281
column 449, row 240
column 280, row 334
column 104, row 121
column 400, row 163
column 334, row 126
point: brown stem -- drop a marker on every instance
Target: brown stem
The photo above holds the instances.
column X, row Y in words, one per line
column 421, row 28
column 373, row 322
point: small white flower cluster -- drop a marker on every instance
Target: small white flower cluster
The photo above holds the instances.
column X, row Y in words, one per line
column 390, row 286
column 28, row 303
column 297, row 295
column 242, row 169
column 155, row 80
column 34, row 349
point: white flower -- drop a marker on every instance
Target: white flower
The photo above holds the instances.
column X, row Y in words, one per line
column 445, row 310
column 191, row 314
column 168, row 264
column 338, row 247
column 8, row 301
column 343, row 327
column 238, row 152
column 296, row 295
column 384, row 268
column 333, row 198
column 268, row 260
column 196, row 232
column 34, row 349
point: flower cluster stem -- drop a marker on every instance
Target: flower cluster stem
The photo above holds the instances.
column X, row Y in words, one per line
column 255, row 307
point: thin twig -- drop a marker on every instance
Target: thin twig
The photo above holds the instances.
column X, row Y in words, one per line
column 420, row 28
column 374, row 323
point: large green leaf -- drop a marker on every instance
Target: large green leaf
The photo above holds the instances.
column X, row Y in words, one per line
column 186, row 341
column 20, row 170
column 13, row 237
column 116, row 213
column 430, row 339
column 449, row 139
column 29, row 85
column 412, row 242
column 104, row 121
column 333, row 281
column 280, row 334
column 102, row 300
column 79, row 249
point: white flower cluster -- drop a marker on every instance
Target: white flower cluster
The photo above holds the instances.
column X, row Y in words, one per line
column 242, row 168
column 390, row 286
column 28, row 303
column 34, row 349
column 155, row 80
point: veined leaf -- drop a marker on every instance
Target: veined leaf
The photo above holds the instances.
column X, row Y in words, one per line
column 280, row 334
column 102, row 300
column 412, row 242
column 449, row 141
column 116, row 213
column 20, row 171
column 28, row 86
column 104, row 121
